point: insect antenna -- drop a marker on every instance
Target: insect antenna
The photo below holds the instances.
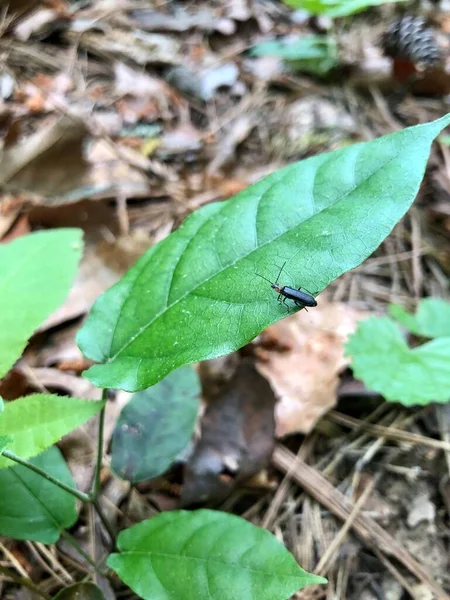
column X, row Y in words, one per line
column 284, row 264
column 262, row 277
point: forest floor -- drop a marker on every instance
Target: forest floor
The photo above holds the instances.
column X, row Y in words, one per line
column 122, row 118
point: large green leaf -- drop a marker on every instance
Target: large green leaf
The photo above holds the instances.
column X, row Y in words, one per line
column 206, row 555
column 195, row 295
column 36, row 272
column 155, row 426
column 432, row 318
column 383, row 360
column 336, row 8
column 32, row 508
column 36, row 422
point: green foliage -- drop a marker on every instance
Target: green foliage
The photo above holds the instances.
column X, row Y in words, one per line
column 33, row 508
column 310, row 53
column 195, row 295
column 155, row 426
column 5, row 440
column 36, row 272
column 80, row 591
column 431, row 320
column 336, row 8
column 2, row 406
column 206, row 555
column 38, row 421
column 382, row 359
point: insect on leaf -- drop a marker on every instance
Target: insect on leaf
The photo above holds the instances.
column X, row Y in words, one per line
column 195, row 295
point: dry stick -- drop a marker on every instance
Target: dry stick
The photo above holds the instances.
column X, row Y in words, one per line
column 23, row 581
column 388, row 432
column 394, row 572
column 373, row 534
column 329, row 556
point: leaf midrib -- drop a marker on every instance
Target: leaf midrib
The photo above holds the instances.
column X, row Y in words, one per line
column 205, row 560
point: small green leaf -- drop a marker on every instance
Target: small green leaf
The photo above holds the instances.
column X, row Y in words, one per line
column 36, row 422
column 206, row 555
column 336, row 8
column 382, row 359
column 155, row 426
column 80, row 591
column 309, row 53
column 195, row 295
column 432, row 318
column 36, row 272
column 5, row 440
column 32, row 508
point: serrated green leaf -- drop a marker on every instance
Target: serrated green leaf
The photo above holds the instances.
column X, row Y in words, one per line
column 5, row 440
column 32, row 508
column 382, row 359
column 195, row 295
column 432, row 318
column 310, row 53
column 155, row 426
column 38, row 421
column 206, row 555
column 80, row 591
column 336, row 8
column 36, row 272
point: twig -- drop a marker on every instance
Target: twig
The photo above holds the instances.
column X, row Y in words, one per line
column 327, row 558
column 24, row 581
column 388, row 432
column 370, row 532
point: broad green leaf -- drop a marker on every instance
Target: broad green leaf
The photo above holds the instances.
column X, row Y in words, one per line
column 195, row 295
column 432, row 318
column 5, row 440
column 310, row 53
column 38, row 421
column 336, row 8
column 80, row 591
column 155, row 426
column 36, row 272
column 2, row 406
column 206, row 555
column 32, row 508
column 382, row 359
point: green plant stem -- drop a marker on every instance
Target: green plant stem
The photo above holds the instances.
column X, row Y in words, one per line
column 80, row 495
column 101, row 427
column 105, row 521
column 28, row 583
column 73, row 542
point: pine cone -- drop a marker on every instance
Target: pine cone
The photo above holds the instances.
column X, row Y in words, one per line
column 409, row 38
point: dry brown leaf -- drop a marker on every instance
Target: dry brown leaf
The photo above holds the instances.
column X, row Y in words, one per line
column 48, row 162
column 303, row 368
column 138, row 46
column 236, row 441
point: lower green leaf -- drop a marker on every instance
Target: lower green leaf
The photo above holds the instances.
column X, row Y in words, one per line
column 80, row 591
column 382, row 359
column 155, row 426
column 206, row 555
column 32, row 508
column 432, row 318
column 38, row 421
